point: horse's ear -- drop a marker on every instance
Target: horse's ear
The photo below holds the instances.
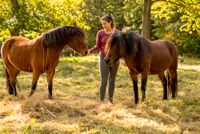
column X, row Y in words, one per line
column 124, row 34
column 128, row 38
column 75, row 24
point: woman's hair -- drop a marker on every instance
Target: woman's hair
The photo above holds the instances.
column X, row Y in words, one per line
column 108, row 18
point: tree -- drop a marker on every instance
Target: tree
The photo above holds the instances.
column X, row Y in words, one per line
column 133, row 15
column 146, row 19
column 96, row 9
column 33, row 17
column 179, row 21
column 189, row 10
column 15, row 13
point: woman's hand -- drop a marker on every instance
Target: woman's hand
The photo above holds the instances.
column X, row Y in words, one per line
column 89, row 51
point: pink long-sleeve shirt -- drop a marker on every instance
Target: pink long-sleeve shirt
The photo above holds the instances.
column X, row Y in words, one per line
column 101, row 39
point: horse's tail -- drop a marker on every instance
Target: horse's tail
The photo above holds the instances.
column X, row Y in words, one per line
column 172, row 83
column 6, row 47
column 8, row 84
column 176, row 84
column 169, row 83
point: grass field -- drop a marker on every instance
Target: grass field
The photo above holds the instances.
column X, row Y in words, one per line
column 76, row 107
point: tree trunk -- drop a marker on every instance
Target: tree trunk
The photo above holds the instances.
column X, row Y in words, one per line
column 146, row 19
column 15, row 13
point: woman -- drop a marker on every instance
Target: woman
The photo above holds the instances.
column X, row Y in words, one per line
column 106, row 73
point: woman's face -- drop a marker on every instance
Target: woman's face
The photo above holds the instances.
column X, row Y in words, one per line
column 106, row 25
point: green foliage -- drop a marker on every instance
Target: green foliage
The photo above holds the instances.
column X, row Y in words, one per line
column 190, row 46
column 37, row 16
column 95, row 9
column 190, row 10
column 76, row 107
column 133, row 15
column 178, row 20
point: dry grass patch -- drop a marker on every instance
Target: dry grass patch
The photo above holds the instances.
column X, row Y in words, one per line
column 76, row 107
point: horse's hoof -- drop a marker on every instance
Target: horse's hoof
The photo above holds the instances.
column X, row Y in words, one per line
column 136, row 102
column 31, row 93
column 10, row 93
column 143, row 100
column 164, row 98
column 50, row 97
column 174, row 98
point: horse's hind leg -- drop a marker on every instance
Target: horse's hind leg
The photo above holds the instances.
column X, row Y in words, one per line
column 34, row 83
column 164, row 83
column 50, row 76
column 13, row 81
column 11, row 74
column 173, row 82
column 144, row 83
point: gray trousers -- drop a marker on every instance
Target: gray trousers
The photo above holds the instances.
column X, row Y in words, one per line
column 107, row 73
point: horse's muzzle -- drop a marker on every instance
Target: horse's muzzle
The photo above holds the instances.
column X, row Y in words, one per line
column 86, row 52
column 107, row 61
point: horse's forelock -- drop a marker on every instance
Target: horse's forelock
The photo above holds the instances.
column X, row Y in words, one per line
column 116, row 39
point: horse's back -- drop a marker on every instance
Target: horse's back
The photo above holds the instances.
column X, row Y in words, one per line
column 164, row 47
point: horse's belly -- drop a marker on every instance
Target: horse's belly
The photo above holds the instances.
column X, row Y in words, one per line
column 155, row 71
column 22, row 67
column 160, row 64
column 158, row 69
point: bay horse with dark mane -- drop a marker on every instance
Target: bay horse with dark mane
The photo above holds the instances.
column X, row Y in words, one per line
column 40, row 55
column 145, row 57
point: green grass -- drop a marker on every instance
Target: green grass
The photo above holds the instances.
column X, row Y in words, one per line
column 76, row 107
column 190, row 61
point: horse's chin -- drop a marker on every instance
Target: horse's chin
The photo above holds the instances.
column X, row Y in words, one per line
column 115, row 61
column 111, row 63
column 84, row 53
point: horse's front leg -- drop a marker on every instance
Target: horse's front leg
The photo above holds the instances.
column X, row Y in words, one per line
column 144, row 83
column 164, row 83
column 135, row 86
column 36, row 76
column 50, row 76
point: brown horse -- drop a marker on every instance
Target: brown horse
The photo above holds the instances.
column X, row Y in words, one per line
column 39, row 55
column 145, row 57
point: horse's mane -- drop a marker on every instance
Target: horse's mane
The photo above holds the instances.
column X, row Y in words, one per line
column 131, row 41
column 61, row 35
column 136, row 45
column 115, row 39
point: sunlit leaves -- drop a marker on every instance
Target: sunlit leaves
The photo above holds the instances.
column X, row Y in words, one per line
column 37, row 16
column 133, row 14
column 190, row 10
